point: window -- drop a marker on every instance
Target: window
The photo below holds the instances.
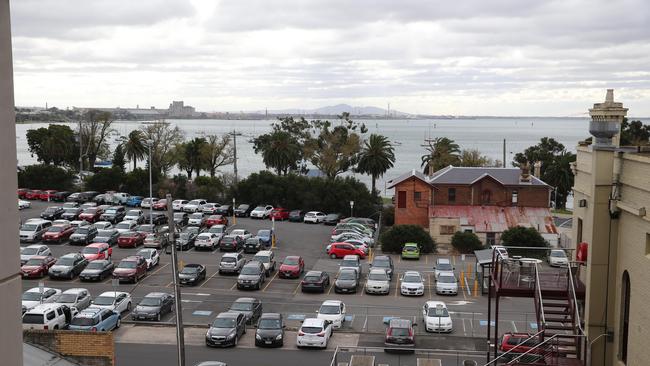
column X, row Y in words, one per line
column 451, row 195
column 417, row 196
column 50, row 315
column 624, row 323
column 447, row 229
column 515, row 197
column 485, row 197
column 490, row 239
column 401, row 199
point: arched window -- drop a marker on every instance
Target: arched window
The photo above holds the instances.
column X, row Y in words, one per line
column 624, row 325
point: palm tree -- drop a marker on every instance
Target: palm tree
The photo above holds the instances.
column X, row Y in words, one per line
column 376, row 157
column 441, row 152
column 134, row 147
column 281, row 152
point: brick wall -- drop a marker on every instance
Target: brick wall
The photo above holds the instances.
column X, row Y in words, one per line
column 87, row 348
column 499, row 195
column 414, row 212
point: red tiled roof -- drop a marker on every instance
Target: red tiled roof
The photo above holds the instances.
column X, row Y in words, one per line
column 498, row 219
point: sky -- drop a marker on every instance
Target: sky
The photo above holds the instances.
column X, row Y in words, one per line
column 474, row 57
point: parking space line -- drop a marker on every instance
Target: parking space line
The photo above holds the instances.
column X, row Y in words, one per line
column 296, row 290
column 170, row 284
column 397, row 289
column 514, row 327
column 209, row 278
column 329, row 291
column 272, row 278
column 233, row 286
column 158, row 270
column 430, row 286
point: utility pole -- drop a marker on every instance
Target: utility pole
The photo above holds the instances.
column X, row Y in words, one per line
column 81, row 161
column 180, row 337
column 504, row 153
column 234, row 135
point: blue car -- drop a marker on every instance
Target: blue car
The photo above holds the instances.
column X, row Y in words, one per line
column 266, row 236
column 134, row 201
column 95, row 319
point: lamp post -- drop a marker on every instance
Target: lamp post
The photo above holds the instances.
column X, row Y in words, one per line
column 234, row 217
column 149, row 143
column 351, row 208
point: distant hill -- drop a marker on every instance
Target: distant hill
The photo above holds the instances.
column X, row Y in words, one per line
column 338, row 109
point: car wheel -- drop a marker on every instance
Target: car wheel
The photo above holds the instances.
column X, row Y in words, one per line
column 119, row 322
column 128, row 306
column 158, row 317
column 236, row 341
column 333, row 256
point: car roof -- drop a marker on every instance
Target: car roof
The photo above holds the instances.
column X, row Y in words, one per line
column 253, row 263
column 412, row 273
column 332, row 302
column 39, row 257
column 99, row 260
column 410, row 244
column 292, row 257
column 113, row 293
column 228, row 314
column 350, row 256
column 95, row 245
column 42, row 308
column 36, row 246
column 399, row 323
column 264, row 252
column 157, row 294
column 382, row 257
column 74, row 290
column 193, row 265
column 232, row 255
column 382, row 270
column 443, row 260
column 69, row 255
column 313, row 322
column 313, row 273
column 246, row 299
column 132, row 258
column 91, row 310
column 447, row 274
column 436, row 303
column 37, row 289
column 271, row 316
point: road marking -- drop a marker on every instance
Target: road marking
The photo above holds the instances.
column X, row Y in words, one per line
column 426, row 259
column 329, row 291
column 514, row 326
column 398, row 288
column 430, row 286
column 297, row 287
column 170, row 284
column 233, row 286
column 209, row 278
column 195, row 293
column 158, row 270
column 272, row 278
column 464, row 330
column 195, row 301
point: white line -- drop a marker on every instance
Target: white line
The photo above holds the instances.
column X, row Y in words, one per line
column 195, row 293
column 365, row 323
column 184, row 300
column 514, row 327
column 469, row 292
column 464, row 330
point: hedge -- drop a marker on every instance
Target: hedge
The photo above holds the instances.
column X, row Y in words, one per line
column 393, row 239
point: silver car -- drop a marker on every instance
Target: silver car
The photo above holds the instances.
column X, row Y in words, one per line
column 378, row 282
column 231, row 263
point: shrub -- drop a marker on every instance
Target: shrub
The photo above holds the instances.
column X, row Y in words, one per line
column 466, row 242
column 388, row 215
column 520, row 236
column 393, row 239
column 42, row 176
column 105, row 180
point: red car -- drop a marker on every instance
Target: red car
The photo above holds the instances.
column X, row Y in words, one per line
column 292, row 267
column 37, row 266
column 47, row 195
column 131, row 268
column 130, row 239
column 91, row 214
column 33, row 195
column 58, row 233
column 216, row 220
column 279, row 214
column 340, row 250
column 97, row 251
column 22, row 192
column 519, row 343
column 161, row 205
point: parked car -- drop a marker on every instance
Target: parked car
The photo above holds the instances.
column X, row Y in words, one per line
column 383, row 262
column 502, row 252
column 147, row 229
column 136, row 216
column 332, row 219
column 47, row 195
column 34, row 250
column 97, row 270
column 150, row 256
column 252, row 245
column 34, row 194
column 130, row 239
column 186, row 240
column 279, row 214
column 243, row 234
column 71, row 213
column 77, row 299
column 231, row 242
column 71, row 204
column 37, row 266
column 216, row 220
column 436, row 317
column 126, row 226
column 314, row 332
column 292, row 267
column 412, row 284
column 399, row 334
column 158, row 241
column 446, row 284
column 251, row 276
column 108, row 236
column 22, row 204
column 270, row 330
column 114, row 214
column 347, row 281
column 225, row 210
column 117, row 301
column 243, row 210
column 296, row 215
column 250, row 307
column 156, row 218
column 192, row 274
column 60, row 196
column 345, row 236
column 267, row 236
column 103, row 225
column 206, row 241
column 261, row 212
column 557, row 258
column 210, row 208
column 130, row 269
column 267, row 258
column 231, row 263
column 516, row 344
column 96, row 320
column 37, row 295
column 22, row 192
column 333, row 311
column 226, row 330
column 97, row 251
column 149, row 202
column 340, row 250
column 177, row 205
column 351, row 261
column 32, row 230
column 52, row 213
column 369, row 223
column 181, row 218
column 196, row 219
column 443, row 265
column 91, row 214
column 58, row 233
column 161, row 205
column 411, row 251
column 314, row 217
column 47, row 317
column 378, row 282
column 218, row 230
column 153, row 306
column 315, row 281
column 194, row 205
column 68, row 266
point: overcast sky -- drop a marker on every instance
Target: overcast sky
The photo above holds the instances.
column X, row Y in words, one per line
column 479, row 57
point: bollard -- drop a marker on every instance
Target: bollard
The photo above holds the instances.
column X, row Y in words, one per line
column 475, row 288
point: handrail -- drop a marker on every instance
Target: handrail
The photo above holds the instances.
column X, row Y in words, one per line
column 532, row 349
column 572, row 288
column 514, row 348
column 539, row 293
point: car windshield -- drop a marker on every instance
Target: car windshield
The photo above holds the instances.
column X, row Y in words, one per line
column 269, row 324
column 261, row 258
column 33, row 319
column 101, row 239
column 228, row 259
column 34, row 262
column 146, row 253
column 110, row 211
column 91, row 210
column 150, row 301
column 31, row 296
column 223, row 323
column 329, row 309
column 95, row 265
column 194, row 202
column 133, row 213
column 244, row 306
column 378, row 276
column 196, row 216
column 104, row 300
column 311, row 330
column 129, row 234
column 447, row 279
column 444, row 267
column 410, row 249
column 227, row 240
column 84, row 321
column 238, row 232
column 264, row 233
column 204, row 237
column 411, row 278
column 104, row 233
column 66, row 298
column 90, row 250
column 190, row 270
column 51, row 210
column 124, row 225
column 185, row 235
column 82, row 230
column 178, row 215
column 28, row 227
column 252, row 241
column 30, row 251
column 381, row 263
column 65, row 262
column 216, row 230
column 127, row 264
column 349, row 263
column 558, row 254
column 259, row 208
column 347, row 275
column 399, row 332
column 312, row 278
column 438, row 312
column 250, row 270
column 146, row 228
column 291, row 261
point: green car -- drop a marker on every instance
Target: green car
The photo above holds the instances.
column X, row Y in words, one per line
column 411, row 251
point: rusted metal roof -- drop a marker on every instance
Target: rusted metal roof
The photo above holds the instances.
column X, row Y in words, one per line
column 498, row 219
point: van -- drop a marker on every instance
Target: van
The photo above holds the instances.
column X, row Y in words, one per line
column 32, row 230
column 47, row 316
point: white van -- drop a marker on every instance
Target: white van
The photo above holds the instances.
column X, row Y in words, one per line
column 32, row 230
column 47, row 316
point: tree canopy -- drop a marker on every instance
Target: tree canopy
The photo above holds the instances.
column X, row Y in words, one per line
column 55, row 144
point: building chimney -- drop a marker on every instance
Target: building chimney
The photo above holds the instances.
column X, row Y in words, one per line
column 606, row 121
column 524, row 174
column 537, row 169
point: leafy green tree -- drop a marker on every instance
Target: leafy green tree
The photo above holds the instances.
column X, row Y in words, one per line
column 466, row 242
column 189, row 156
column 217, row 152
column 393, row 239
column 474, row 158
column 163, row 138
column 134, row 147
column 106, row 180
column 520, row 236
column 441, row 152
column 136, row 182
column 118, row 157
column 53, row 145
column 282, row 148
column 376, row 157
column 43, row 176
column 634, row 133
column 95, row 129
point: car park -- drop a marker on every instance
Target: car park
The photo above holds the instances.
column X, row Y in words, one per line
column 314, row 332
column 196, row 219
column 97, row 251
column 267, row 258
column 399, row 334
column 351, row 262
column 279, row 214
column 37, row 266
column 270, row 330
column 136, row 216
column 216, row 220
column 225, row 330
column 261, row 212
column 177, row 205
column 97, row 270
column 340, row 250
column 83, row 235
column 333, row 311
column 47, row 317
column 206, row 241
column 292, row 267
column 103, row 225
column 194, row 205
column 32, row 231
column 181, row 218
column 443, row 265
column 68, row 266
column 76, row 299
column 130, row 269
column 332, row 219
column 148, row 202
column 436, row 317
column 243, row 210
column 557, row 258
column 153, row 306
column 315, row 281
column 192, row 274
column 251, row 276
column 113, row 214
column 161, row 205
column 347, row 281
column 412, row 284
column 231, row 242
column 108, row 236
column 52, row 213
column 231, row 263
column 446, row 284
column 314, row 217
column 158, row 241
column 209, row 208
column 117, row 301
column 266, row 236
column 32, row 251
column 252, row 245
column 378, row 282
column 130, row 239
column 71, row 213
column 37, row 295
column 91, row 214
column 95, row 320
column 150, row 256
column 250, row 307
column 411, row 251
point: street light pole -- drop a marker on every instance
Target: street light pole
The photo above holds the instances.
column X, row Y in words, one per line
column 234, row 217
column 351, row 208
column 149, row 142
column 180, row 337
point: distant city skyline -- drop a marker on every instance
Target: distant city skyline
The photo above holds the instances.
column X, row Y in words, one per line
column 497, row 58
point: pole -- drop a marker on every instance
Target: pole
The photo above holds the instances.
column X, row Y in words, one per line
column 234, row 143
column 81, row 161
column 234, row 217
column 151, row 193
column 180, row 339
column 504, row 153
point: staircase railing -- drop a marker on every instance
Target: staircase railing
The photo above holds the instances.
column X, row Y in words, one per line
column 546, row 348
column 575, row 310
column 515, row 350
column 539, row 303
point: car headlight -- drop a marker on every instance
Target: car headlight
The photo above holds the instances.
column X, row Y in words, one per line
column 257, row 336
column 279, row 337
column 207, row 334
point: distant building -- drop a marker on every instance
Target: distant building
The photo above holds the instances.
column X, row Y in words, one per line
column 178, row 109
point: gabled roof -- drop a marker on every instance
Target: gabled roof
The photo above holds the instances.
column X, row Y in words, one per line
column 470, row 175
column 413, row 173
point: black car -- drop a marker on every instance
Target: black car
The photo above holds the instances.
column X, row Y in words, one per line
column 315, row 281
column 157, row 218
column 251, row 276
column 181, row 218
column 249, row 306
column 52, row 213
column 192, row 274
column 244, row 210
column 71, row 213
column 108, row 236
column 270, row 330
column 186, row 240
column 225, row 210
column 231, row 242
column 113, row 214
column 97, row 270
column 332, row 219
column 226, row 330
column 252, row 245
column 60, row 196
column 347, row 281
column 83, row 235
column 296, row 215
column 89, row 195
column 153, row 306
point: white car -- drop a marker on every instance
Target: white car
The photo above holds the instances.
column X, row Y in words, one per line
column 134, row 215
column 261, row 212
column 267, row 258
column 194, row 205
column 33, row 250
column 196, row 219
column 24, row 204
column 126, row 226
column 206, row 241
column 502, row 252
column 412, row 284
column 558, row 258
column 150, row 255
column 46, row 316
column 148, row 202
column 446, row 284
column 314, row 333
column 117, row 301
column 334, row 311
column 242, row 233
column 210, row 208
column 378, row 282
column 79, row 223
column 436, row 317
column 218, row 230
column 76, row 299
column 352, row 236
column 103, row 225
column 314, row 217
column 60, row 222
column 443, row 265
column 177, row 205
column 33, row 296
